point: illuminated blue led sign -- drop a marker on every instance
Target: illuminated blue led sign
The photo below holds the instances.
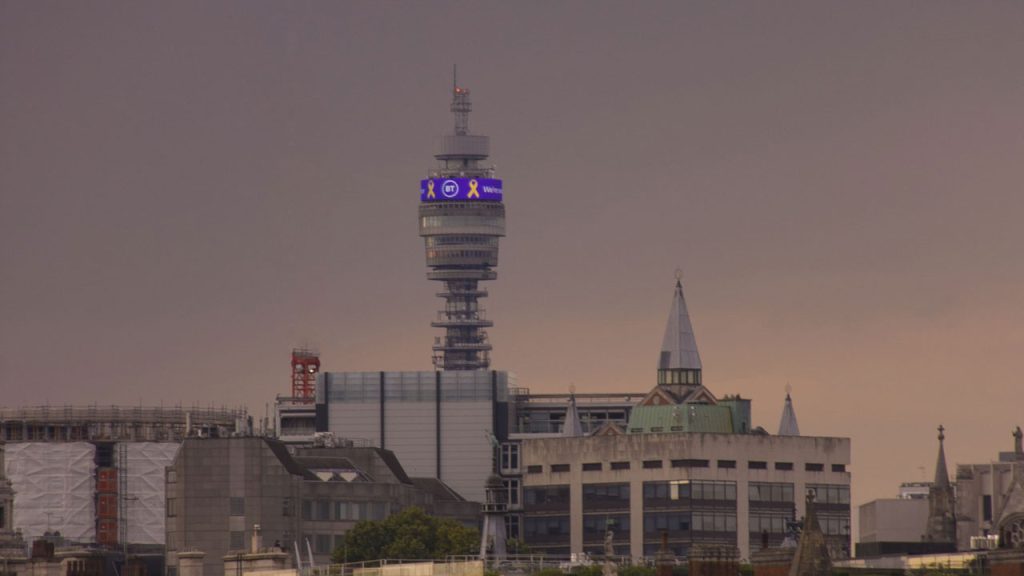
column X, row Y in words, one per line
column 463, row 189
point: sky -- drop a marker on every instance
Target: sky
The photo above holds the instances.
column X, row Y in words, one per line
column 190, row 189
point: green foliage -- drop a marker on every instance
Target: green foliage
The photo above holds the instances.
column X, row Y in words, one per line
column 409, row 535
column 594, row 570
column 549, row 572
column 684, row 570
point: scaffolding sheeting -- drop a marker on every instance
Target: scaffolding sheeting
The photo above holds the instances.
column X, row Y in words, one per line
column 143, row 494
column 54, row 485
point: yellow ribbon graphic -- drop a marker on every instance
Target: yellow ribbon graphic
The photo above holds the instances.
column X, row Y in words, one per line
column 430, row 189
column 472, row 190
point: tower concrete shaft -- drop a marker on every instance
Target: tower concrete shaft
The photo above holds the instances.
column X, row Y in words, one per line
column 461, row 217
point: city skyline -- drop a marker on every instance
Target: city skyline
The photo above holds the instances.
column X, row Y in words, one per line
column 191, row 190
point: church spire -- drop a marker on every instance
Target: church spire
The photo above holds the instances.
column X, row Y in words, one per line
column 679, row 362
column 572, row 426
column 941, row 473
column 788, row 425
column 941, row 525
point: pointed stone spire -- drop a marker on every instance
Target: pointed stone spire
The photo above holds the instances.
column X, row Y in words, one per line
column 941, row 521
column 572, row 425
column 679, row 362
column 788, row 425
column 811, row 557
column 941, row 472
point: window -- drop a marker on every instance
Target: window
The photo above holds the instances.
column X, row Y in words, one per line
column 713, row 490
column 559, row 467
column 237, row 506
column 595, row 526
column 286, row 507
column 714, row 522
column 813, row 467
column 839, row 467
column 986, row 507
column 605, row 496
column 690, row 463
column 322, row 544
column 307, row 509
column 830, row 493
column 172, row 476
column 341, row 510
column 547, row 497
column 620, row 465
column 512, row 526
column 652, row 464
column 534, row 469
column 237, row 541
column 591, row 466
column 509, row 457
column 726, row 463
column 323, row 510
column 757, row 465
column 783, row 465
column 172, row 509
column 770, row 492
column 512, row 488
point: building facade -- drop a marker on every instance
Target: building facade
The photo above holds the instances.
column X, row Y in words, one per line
column 218, row 490
column 698, row 488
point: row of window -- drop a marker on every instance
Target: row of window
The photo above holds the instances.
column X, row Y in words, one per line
column 450, row 239
column 616, row 495
column 677, row 522
column 431, row 254
column 335, row 510
column 682, row 463
column 595, row 526
column 716, row 490
column 417, row 392
column 496, row 223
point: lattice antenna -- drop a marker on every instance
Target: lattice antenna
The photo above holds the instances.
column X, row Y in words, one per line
column 460, row 105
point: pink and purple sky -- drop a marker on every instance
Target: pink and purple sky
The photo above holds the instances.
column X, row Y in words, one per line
column 190, row 189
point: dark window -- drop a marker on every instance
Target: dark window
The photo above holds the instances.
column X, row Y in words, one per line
column 534, row 469
column 839, row 467
column 620, row 465
column 559, row 467
column 546, row 497
column 783, row 465
column 691, row 463
column 307, row 509
column 546, row 530
column 770, row 492
column 813, row 467
column 713, row 490
column 757, row 465
column 237, row 506
column 726, row 463
column 322, row 544
column 652, row 464
column 286, row 507
column 237, row 541
column 591, row 466
column 986, row 507
column 595, row 526
column 830, row 493
column 605, row 496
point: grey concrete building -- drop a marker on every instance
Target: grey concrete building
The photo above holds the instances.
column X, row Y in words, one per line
column 686, row 463
column 219, row 489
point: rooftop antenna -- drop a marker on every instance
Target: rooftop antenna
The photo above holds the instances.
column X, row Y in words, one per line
column 460, row 105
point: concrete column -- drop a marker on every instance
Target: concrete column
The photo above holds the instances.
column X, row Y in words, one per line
column 576, row 508
column 191, row 563
column 636, row 518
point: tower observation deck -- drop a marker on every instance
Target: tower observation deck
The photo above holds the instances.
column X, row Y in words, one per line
column 461, row 217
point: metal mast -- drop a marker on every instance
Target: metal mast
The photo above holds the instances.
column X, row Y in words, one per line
column 461, row 217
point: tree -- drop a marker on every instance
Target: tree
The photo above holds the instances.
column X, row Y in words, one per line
column 411, row 534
